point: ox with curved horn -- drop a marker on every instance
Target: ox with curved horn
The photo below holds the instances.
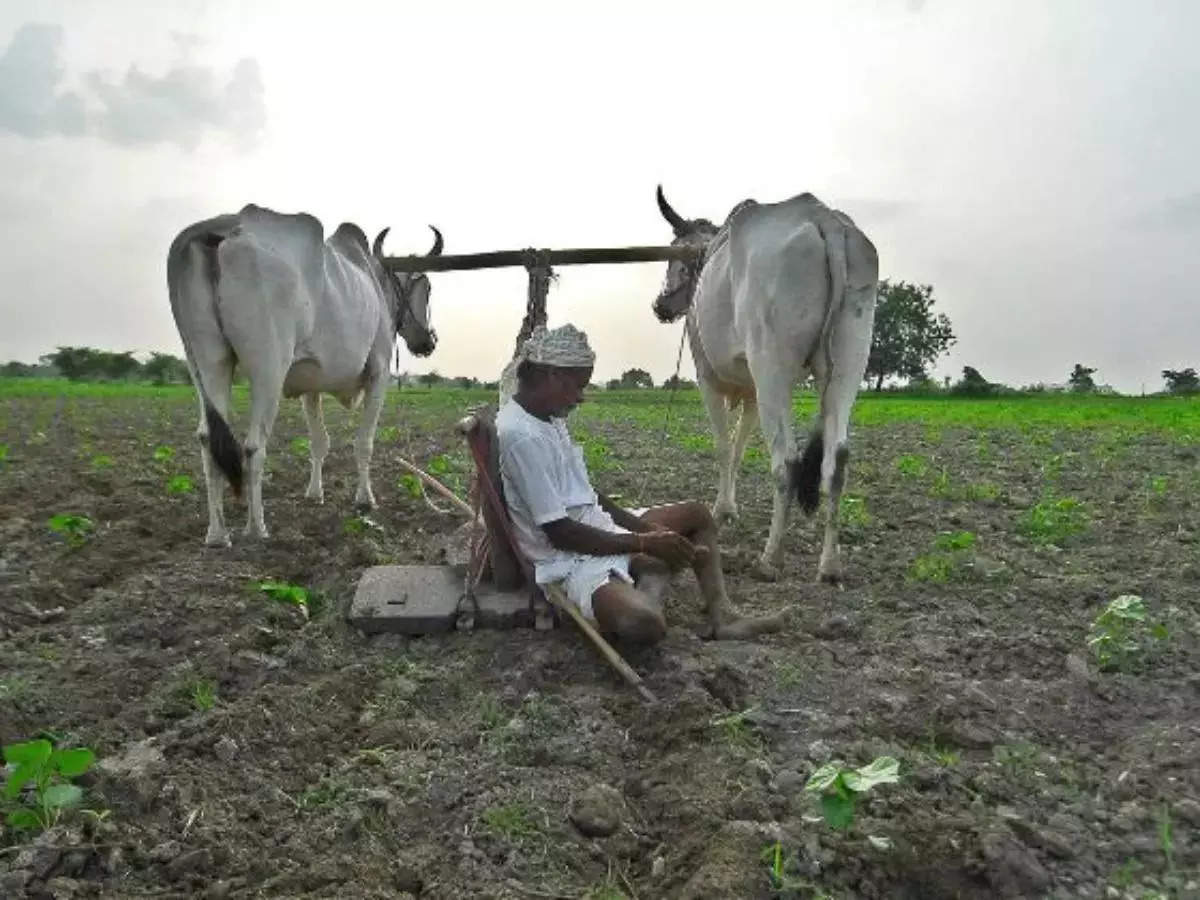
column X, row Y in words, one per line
column 301, row 316
column 682, row 275
column 411, row 290
column 786, row 291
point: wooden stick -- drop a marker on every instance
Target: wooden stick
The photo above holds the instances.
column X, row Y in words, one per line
column 501, row 258
column 556, row 595
column 438, row 486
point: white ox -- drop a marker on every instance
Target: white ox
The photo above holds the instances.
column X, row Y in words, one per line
column 784, row 290
column 301, row 316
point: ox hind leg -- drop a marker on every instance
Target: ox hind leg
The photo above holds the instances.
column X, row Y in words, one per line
column 266, row 387
column 774, row 389
column 218, row 383
column 318, row 445
column 838, row 380
column 364, row 441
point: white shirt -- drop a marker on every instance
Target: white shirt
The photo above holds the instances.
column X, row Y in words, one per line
column 545, row 479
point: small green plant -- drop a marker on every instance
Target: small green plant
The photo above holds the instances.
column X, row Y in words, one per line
column 300, row 446
column 102, row 461
column 941, row 484
column 697, row 443
column 164, row 454
column 782, row 883
column 412, row 485
column 954, row 541
column 1158, row 489
column 1053, row 520
column 49, row 771
column 180, row 484
column 839, row 787
column 1018, row 760
column 910, row 465
column 292, row 594
column 983, row 491
column 73, row 529
column 513, row 821
column 3, row 454
column 1122, row 634
column 946, row 757
column 388, row 433
column 738, row 730
column 204, row 695
column 936, row 567
column 1166, row 839
column 852, row 512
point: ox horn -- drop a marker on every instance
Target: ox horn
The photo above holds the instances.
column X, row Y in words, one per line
column 377, row 247
column 437, row 242
column 677, row 222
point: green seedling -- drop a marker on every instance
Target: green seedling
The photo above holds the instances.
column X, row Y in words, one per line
column 738, row 730
column 512, row 820
column 300, row 446
column 163, row 454
column 912, row 466
column 1054, row 520
column 936, row 567
column 853, row 512
column 781, row 882
column 954, row 541
column 3, row 453
column 204, row 695
column 983, row 491
column 101, row 462
column 1121, row 634
column 48, row 771
column 1158, row 488
column 180, row 484
column 291, row 594
column 412, row 485
column 839, row 787
column 73, row 529
column 941, row 484
column 1166, row 839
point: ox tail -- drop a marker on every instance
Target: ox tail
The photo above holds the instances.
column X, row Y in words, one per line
column 805, row 473
column 192, row 267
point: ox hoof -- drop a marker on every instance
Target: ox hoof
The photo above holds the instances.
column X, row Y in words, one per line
column 260, row 532
column 218, row 539
column 764, row 570
column 315, row 494
column 364, row 502
column 833, row 576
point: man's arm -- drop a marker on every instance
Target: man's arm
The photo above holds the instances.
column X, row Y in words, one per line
column 576, row 537
column 623, row 517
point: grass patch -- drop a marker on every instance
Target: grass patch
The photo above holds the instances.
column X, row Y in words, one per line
column 514, row 822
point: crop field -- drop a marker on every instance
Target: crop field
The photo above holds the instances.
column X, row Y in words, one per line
column 1018, row 628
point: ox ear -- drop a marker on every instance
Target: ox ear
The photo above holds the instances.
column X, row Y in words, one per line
column 677, row 222
column 377, row 247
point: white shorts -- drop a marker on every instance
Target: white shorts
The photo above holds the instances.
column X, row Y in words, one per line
column 592, row 572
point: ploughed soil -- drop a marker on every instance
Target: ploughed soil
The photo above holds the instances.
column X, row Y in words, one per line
column 245, row 750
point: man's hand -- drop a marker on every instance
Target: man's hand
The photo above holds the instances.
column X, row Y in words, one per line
column 672, row 548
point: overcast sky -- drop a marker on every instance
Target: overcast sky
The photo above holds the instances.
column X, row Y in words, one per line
column 1037, row 163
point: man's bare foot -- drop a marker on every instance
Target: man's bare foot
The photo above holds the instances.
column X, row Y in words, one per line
column 739, row 628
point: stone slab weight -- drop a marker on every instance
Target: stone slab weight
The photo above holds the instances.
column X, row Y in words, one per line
column 424, row 600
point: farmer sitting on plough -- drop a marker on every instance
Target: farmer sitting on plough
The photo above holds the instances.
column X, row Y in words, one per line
column 574, row 535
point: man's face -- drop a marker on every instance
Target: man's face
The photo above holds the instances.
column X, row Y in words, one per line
column 566, row 388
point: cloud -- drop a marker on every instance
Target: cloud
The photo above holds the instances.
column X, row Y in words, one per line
column 179, row 107
column 30, row 104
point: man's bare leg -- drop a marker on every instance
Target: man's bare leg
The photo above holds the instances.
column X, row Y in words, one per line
column 624, row 611
column 695, row 522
